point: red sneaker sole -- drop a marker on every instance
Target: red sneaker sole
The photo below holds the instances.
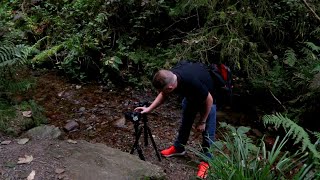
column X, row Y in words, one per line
column 175, row 154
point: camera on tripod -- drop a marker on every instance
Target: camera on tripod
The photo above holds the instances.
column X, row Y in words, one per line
column 136, row 118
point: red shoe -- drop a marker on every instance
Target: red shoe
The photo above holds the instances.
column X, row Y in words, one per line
column 172, row 151
column 203, row 170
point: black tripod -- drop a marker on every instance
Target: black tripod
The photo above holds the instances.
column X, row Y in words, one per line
column 147, row 132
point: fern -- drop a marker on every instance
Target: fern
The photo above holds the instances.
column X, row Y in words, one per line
column 312, row 46
column 294, row 130
column 290, row 57
column 11, row 55
column 317, row 134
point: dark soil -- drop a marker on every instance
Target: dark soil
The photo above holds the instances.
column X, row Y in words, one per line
column 97, row 108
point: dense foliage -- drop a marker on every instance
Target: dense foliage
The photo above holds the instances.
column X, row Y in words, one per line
column 272, row 47
column 237, row 157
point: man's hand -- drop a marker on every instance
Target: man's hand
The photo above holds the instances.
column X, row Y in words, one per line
column 201, row 127
column 142, row 110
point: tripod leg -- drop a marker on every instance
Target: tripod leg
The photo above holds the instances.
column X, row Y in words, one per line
column 140, row 153
column 146, row 143
column 136, row 144
column 154, row 144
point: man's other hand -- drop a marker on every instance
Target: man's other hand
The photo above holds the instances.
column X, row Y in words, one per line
column 201, row 127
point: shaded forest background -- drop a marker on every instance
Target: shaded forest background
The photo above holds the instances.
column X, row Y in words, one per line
column 272, row 47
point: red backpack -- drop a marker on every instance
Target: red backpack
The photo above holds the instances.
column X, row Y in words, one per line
column 222, row 78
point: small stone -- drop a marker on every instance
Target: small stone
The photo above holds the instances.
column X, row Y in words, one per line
column 82, row 109
column 23, row 141
column 5, row 142
column 70, row 126
column 101, row 105
column 59, row 171
column 44, row 132
column 60, row 93
column 120, row 123
column 59, row 156
column 78, row 86
column 71, row 141
column 62, row 176
column 26, row 113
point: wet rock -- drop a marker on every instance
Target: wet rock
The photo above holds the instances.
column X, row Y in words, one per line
column 70, row 126
column 44, row 132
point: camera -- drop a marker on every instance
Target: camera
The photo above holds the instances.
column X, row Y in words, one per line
column 134, row 117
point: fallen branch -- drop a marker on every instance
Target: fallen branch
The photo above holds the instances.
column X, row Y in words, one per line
column 313, row 12
column 278, row 100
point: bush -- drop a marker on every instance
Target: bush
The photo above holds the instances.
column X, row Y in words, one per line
column 236, row 157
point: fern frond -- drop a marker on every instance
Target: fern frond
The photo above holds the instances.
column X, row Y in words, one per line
column 14, row 55
column 290, row 57
column 6, row 53
column 312, row 46
column 19, row 86
column 316, row 32
column 293, row 129
column 317, row 134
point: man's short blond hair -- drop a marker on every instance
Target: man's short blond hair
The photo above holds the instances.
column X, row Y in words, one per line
column 162, row 78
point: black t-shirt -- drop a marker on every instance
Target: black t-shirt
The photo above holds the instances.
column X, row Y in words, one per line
column 194, row 81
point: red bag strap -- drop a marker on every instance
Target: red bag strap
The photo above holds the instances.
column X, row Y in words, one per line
column 224, row 71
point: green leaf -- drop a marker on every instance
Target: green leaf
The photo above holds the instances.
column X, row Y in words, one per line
column 242, row 130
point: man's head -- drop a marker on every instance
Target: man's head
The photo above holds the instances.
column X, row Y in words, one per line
column 165, row 81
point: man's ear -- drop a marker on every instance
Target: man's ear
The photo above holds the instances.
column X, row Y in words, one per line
column 171, row 87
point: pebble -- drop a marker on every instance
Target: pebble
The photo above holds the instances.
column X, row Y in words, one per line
column 59, row 170
column 5, row 142
column 23, row 141
column 70, row 126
